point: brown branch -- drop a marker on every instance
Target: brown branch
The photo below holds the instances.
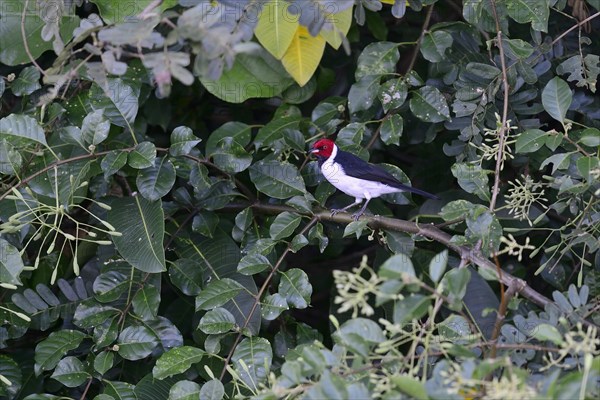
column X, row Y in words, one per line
column 577, row 25
column 399, row 225
column 503, row 128
column 501, row 315
column 260, row 293
column 24, row 37
column 410, row 67
column 420, row 41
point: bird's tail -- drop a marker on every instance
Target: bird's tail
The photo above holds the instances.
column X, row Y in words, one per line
column 418, row 191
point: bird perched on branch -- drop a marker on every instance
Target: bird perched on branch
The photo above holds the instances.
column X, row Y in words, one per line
column 356, row 177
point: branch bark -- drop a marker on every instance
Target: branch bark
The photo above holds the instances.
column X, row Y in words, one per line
column 428, row 231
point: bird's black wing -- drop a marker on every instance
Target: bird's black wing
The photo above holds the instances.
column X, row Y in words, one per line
column 358, row 168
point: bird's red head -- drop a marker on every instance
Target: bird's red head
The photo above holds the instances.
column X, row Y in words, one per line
column 323, row 148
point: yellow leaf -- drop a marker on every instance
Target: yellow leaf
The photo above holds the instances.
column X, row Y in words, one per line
column 341, row 25
column 276, row 27
column 388, row 1
column 303, row 56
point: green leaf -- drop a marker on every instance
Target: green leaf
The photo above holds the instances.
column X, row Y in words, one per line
column 186, row 275
column 18, row 129
column 156, row 181
column 280, row 180
column 363, row 93
column 118, row 391
column 218, row 258
column 119, row 101
column 10, row 159
column 177, row 361
column 559, row 161
column 142, row 226
column 472, row 179
column 238, row 131
column 393, row 93
column 182, row 141
column 295, row 287
column 355, row 228
column 284, row 225
column 531, row 140
column 95, row 128
column 253, row 75
column 145, row 302
column 273, row 305
column 12, row 46
column 410, row 386
column 391, row 129
column 429, row 105
column 216, row 321
column 535, row 11
column 410, row 308
column 547, row 332
column 587, row 164
column 184, row 390
column 89, row 314
column 50, row 350
column 205, row 223
column 253, row 263
column 11, row 371
column 212, row 390
column 252, row 361
column 113, row 162
column 434, row 45
column 437, row 265
column 456, row 209
column 104, row 361
column 359, row 335
column 142, row 156
column 396, row 267
column 231, row 156
column 455, row 283
column 557, row 98
column 27, row 82
column 379, row 58
column 112, row 11
column 70, row 372
column 217, row 293
column 136, row 342
column 11, row 264
column 590, row 137
column 275, row 130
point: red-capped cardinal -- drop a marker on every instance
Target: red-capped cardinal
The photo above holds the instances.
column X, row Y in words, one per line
column 356, row 177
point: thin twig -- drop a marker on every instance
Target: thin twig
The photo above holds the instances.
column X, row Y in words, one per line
column 420, row 41
column 577, row 25
column 503, row 127
column 410, row 67
column 25, row 44
column 501, row 315
column 146, row 11
column 400, row 225
column 260, row 293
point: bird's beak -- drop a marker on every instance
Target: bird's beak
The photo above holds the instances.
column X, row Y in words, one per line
column 314, row 151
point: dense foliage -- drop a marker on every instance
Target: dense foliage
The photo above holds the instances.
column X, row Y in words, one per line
column 163, row 233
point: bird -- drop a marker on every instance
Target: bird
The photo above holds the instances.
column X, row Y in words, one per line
column 356, row 177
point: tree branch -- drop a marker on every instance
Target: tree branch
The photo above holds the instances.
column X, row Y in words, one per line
column 428, row 231
column 503, row 127
column 260, row 293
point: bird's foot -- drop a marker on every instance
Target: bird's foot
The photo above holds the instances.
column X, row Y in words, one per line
column 336, row 211
column 357, row 215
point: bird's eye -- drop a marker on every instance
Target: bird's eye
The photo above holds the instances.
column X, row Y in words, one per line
column 325, row 147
